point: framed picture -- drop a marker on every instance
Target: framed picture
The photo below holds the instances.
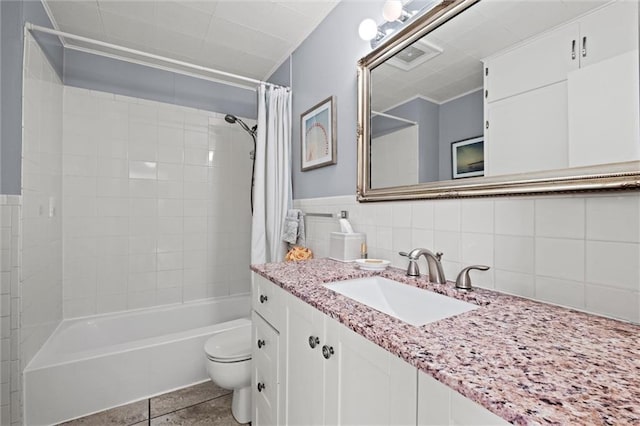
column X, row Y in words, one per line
column 318, row 135
column 467, row 158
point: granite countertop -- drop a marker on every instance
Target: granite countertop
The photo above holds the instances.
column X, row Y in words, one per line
column 526, row 361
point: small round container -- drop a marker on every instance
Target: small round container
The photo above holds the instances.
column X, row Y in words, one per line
column 372, row 264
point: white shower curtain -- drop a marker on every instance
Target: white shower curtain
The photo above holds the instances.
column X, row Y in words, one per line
column 272, row 191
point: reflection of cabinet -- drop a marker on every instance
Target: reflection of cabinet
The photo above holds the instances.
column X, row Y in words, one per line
column 312, row 370
column 552, row 101
column 344, row 378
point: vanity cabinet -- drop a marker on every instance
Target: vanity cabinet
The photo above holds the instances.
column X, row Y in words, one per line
column 439, row 405
column 551, row 101
column 335, row 376
column 312, row 370
column 267, row 368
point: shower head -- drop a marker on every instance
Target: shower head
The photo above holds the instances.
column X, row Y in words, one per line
column 231, row 119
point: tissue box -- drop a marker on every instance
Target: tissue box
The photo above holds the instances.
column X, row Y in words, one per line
column 345, row 247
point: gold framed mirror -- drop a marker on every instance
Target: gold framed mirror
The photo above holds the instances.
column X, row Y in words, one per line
column 557, row 89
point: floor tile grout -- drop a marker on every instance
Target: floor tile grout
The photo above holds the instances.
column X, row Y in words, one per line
column 149, row 418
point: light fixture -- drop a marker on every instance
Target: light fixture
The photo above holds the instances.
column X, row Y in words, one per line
column 368, row 29
column 395, row 16
column 392, row 10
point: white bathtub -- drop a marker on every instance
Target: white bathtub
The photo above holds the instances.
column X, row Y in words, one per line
column 94, row 363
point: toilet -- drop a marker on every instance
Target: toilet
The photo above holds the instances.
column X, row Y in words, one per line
column 229, row 366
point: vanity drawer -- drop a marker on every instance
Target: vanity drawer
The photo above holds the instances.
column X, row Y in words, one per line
column 266, row 299
column 265, row 376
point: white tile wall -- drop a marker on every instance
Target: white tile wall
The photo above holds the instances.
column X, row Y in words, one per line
column 581, row 252
column 156, row 204
column 10, row 377
column 39, row 296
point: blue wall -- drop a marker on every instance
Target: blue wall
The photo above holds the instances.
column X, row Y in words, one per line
column 461, row 118
column 95, row 72
column 322, row 66
column 282, row 75
column 14, row 14
column 425, row 113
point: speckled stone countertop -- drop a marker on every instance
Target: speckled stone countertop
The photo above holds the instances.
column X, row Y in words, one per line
column 528, row 362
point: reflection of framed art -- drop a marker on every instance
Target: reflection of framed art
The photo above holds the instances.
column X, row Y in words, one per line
column 318, row 135
column 467, row 158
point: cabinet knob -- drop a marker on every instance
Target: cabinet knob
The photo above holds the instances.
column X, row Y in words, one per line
column 314, row 341
column 260, row 343
column 261, row 386
column 327, row 351
column 263, row 298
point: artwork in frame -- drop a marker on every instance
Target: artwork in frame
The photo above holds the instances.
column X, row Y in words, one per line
column 467, row 158
column 318, row 135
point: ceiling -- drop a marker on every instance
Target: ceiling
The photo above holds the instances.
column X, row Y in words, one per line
column 247, row 37
column 479, row 32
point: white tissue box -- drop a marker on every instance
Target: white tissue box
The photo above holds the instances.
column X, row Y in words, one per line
column 345, row 247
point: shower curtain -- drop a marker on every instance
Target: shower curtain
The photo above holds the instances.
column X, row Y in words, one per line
column 272, row 191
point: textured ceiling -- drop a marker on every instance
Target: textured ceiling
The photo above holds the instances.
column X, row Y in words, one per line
column 250, row 38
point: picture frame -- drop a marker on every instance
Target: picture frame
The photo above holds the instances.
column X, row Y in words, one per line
column 467, row 158
column 318, row 135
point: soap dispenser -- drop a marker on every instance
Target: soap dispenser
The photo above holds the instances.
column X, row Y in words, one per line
column 463, row 282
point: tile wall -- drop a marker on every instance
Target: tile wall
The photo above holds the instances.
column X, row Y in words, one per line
column 40, row 292
column 577, row 251
column 156, row 204
column 10, row 383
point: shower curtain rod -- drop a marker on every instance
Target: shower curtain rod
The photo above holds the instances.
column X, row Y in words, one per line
column 33, row 27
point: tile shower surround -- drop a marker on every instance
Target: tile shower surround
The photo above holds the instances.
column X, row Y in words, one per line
column 581, row 252
column 144, row 218
column 10, row 383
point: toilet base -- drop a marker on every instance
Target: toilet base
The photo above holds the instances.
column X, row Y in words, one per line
column 241, row 404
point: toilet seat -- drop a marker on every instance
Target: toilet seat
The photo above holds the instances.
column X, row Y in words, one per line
column 232, row 345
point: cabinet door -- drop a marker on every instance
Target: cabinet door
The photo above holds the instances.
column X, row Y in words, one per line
column 528, row 132
column 608, row 32
column 540, row 62
column 266, row 300
column 266, row 372
column 604, row 112
column 439, row 405
column 365, row 384
column 304, row 404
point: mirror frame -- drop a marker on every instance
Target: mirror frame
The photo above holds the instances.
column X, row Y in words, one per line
column 607, row 177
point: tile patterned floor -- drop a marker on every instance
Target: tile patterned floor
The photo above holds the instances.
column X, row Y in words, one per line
column 200, row 405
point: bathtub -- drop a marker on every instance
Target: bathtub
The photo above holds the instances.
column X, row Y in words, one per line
column 94, row 363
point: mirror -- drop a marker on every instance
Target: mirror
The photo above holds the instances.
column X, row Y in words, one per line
column 502, row 97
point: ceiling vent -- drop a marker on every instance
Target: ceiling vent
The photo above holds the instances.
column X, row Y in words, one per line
column 414, row 55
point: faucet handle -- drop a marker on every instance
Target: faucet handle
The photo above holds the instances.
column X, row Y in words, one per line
column 463, row 282
column 403, row 253
column 439, row 256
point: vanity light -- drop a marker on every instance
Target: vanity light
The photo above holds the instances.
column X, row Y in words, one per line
column 395, row 16
column 368, row 29
column 392, row 10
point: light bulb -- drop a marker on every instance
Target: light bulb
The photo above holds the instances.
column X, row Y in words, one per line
column 392, row 10
column 368, row 29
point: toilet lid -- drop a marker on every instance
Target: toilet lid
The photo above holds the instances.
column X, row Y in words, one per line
column 230, row 345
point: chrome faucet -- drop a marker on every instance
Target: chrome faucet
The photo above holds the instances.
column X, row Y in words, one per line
column 436, row 274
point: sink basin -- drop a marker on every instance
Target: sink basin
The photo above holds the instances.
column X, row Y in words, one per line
column 407, row 303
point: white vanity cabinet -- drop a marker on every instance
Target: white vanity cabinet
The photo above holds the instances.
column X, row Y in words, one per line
column 439, row 405
column 343, row 378
column 312, row 370
column 552, row 101
column 268, row 359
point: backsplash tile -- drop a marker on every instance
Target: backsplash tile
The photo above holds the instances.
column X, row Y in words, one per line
column 576, row 251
